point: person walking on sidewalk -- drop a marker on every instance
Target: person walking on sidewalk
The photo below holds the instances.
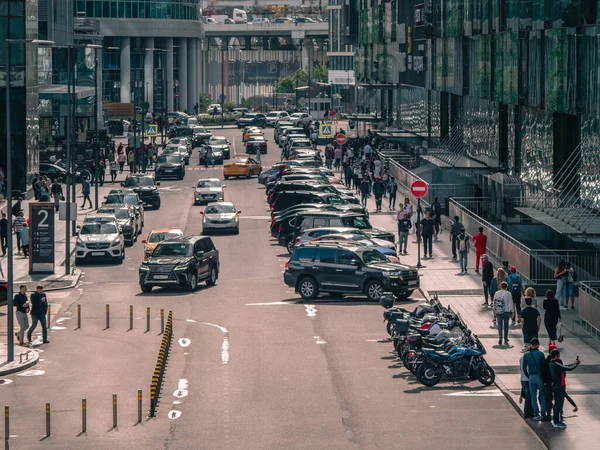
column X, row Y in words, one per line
column 515, row 287
column 85, row 191
column 558, row 371
column 364, row 192
column 487, row 275
column 22, row 305
column 480, row 242
column 531, row 320
column 547, row 379
column 17, row 207
column 570, row 288
column 17, row 227
column 427, row 229
column 393, row 189
column 113, row 171
column 503, row 308
column 131, row 161
column 404, row 226
column 4, row 233
column 436, row 211
column 454, row 232
column 532, row 366
column 57, row 193
column 551, row 316
column 121, row 159
column 39, row 309
column 378, row 191
column 462, row 246
column 25, row 240
column 525, row 396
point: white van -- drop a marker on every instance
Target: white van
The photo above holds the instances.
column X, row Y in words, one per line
column 260, row 20
column 239, row 16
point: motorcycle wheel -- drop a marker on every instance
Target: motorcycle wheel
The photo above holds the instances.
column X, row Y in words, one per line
column 427, row 375
column 388, row 327
column 485, row 374
column 472, row 375
column 405, row 361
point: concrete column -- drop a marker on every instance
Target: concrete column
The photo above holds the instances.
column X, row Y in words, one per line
column 183, row 75
column 149, row 74
column 192, row 75
column 125, row 70
column 169, row 67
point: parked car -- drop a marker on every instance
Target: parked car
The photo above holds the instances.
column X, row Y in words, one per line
column 282, row 20
column 260, row 20
column 183, row 261
column 304, row 20
column 300, row 117
column 214, row 109
column 286, row 199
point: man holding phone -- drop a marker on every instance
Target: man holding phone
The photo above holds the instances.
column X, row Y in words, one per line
column 558, row 371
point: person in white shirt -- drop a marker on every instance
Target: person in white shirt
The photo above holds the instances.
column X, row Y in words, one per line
column 504, row 308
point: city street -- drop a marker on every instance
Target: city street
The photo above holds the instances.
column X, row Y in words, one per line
column 252, row 365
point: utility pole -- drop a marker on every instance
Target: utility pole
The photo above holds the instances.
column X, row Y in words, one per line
column 96, row 131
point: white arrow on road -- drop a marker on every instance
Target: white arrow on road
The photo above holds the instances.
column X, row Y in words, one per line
column 482, row 393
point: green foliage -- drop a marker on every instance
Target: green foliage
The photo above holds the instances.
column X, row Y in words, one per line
column 319, row 72
column 203, row 102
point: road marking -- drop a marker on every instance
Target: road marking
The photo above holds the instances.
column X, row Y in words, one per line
column 270, row 303
column 256, row 217
column 225, row 344
column 174, row 414
column 55, row 328
column 191, row 321
column 31, row 373
column 320, row 340
column 482, row 393
column 184, row 342
column 5, row 381
column 311, row 310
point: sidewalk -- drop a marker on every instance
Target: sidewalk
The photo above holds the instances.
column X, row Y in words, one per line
column 465, row 295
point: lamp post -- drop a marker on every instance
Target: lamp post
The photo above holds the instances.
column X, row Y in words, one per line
column 10, row 341
column 97, row 124
column 243, row 83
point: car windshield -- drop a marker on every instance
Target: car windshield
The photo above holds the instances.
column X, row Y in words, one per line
column 159, row 237
column 198, row 130
column 172, row 249
column 168, row 159
column 139, row 181
column 249, row 116
column 98, row 219
column 256, row 139
column 302, row 144
column 373, row 257
column 219, row 209
column 120, row 198
column 98, row 228
column 218, row 141
column 356, row 222
column 272, row 114
column 208, row 183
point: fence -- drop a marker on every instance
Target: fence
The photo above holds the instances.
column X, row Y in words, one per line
column 545, row 261
column 589, row 307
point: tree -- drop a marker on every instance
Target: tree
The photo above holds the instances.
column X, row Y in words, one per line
column 203, row 102
column 319, row 72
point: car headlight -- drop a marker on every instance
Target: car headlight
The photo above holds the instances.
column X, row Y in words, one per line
column 204, row 219
column 115, row 243
column 144, row 267
column 80, row 244
column 183, row 266
column 237, row 218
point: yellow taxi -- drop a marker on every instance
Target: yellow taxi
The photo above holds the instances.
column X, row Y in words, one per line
column 241, row 167
column 159, row 235
column 252, row 132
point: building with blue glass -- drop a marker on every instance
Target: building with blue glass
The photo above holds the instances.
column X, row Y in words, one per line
column 343, row 34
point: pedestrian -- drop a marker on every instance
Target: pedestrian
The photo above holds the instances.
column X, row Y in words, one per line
column 487, row 275
column 480, row 243
column 121, row 158
column 18, row 223
column 337, row 158
column 531, row 319
column 525, row 396
column 558, row 371
column 436, row 211
column 37, row 188
column 454, row 232
column 378, row 191
column 364, row 192
column 258, row 157
column 504, row 308
column 551, row 316
column 393, row 189
column 113, row 171
column 24, row 233
column 377, row 167
column 2, row 181
column 101, row 171
column 404, row 226
column 427, row 229
column 39, row 309
column 4, row 233
column 561, row 274
column 208, row 157
column 22, row 305
column 570, row 289
column 131, row 161
column 17, row 207
column 462, row 246
column 84, row 173
column 57, row 194
column 85, row 191
column 34, row 186
column 532, row 367
column 516, row 288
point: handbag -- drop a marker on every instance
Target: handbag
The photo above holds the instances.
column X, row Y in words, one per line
column 561, row 338
column 62, row 198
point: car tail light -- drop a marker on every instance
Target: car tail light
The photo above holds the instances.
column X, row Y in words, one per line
column 297, row 240
column 270, row 198
column 4, row 286
column 287, row 265
column 280, row 228
column 272, row 220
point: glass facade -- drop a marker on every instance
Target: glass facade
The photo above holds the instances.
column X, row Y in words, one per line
column 140, row 9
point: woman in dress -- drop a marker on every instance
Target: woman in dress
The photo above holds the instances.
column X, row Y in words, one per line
column 551, row 316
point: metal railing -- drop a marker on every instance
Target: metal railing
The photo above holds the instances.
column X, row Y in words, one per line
column 589, row 307
column 404, row 177
column 544, row 261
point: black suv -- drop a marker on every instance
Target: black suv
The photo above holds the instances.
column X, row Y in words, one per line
column 343, row 269
column 256, row 119
column 285, row 199
column 319, row 219
column 310, row 186
column 184, row 261
column 169, row 166
column 127, row 197
column 145, row 187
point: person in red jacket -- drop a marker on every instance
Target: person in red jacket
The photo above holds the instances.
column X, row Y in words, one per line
column 480, row 241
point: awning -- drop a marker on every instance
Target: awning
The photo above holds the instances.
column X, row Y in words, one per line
column 398, row 135
column 378, row 85
column 459, row 162
column 56, row 91
column 365, row 118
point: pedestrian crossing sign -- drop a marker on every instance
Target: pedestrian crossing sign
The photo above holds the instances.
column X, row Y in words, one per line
column 326, row 131
column 152, row 130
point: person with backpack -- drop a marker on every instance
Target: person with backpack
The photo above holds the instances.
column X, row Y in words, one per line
column 532, row 367
column 404, row 226
column 515, row 287
column 504, row 308
column 462, row 246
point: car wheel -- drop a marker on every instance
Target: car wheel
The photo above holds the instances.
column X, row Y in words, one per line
column 374, row 290
column 157, row 205
column 193, row 283
column 249, row 174
column 212, row 280
column 227, row 177
column 290, row 245
column 145, row 288
column 308, row 289
column 78, row 261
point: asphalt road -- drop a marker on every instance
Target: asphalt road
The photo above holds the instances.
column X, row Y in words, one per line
column 252, row 366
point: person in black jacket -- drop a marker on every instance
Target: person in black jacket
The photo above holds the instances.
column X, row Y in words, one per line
column 22, row 306
column 39, row 309
column 3, row 233
column 487, row 275
column 552, row 316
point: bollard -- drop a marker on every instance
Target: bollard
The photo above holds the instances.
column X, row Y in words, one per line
column 83, row 415
column 147, row 319
column 114, row 410
column 78, row 316
column 49, row 315
column 152, row 402
column 6, row 425
column 162, row 320
column 139, row 406
column 47, row 419
column 107, row 316
column 131, row 317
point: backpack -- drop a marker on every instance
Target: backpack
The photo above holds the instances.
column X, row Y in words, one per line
column 462, row 243
column 515, row 287
column 498, row 305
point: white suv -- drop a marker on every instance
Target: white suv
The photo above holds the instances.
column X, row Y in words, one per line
column 100, row 241
column 275, row 116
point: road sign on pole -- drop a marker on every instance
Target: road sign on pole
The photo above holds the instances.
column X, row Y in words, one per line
column 152, row 130
column 341, row 139
column 176, row 94
column 326, row 131
column 419, row 188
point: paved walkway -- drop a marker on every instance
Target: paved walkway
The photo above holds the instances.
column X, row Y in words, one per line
column 25, row 358
column 464, row 294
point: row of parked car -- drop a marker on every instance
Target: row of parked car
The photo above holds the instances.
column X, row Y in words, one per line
column 334, row 248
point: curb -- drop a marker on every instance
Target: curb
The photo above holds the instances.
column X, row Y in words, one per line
column 27, row 365
column 77, row 277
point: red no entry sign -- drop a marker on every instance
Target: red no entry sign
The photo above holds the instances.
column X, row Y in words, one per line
column 341, row 139
column 419, row 188
column 176, row 94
